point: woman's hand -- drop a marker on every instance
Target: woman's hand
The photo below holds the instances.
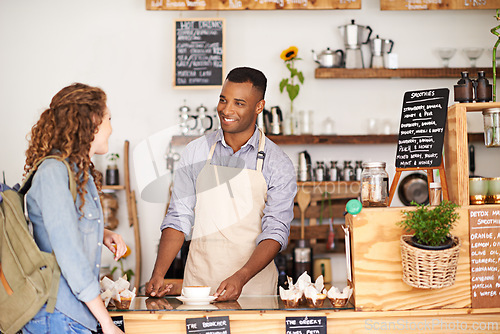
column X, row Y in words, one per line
column 115, row 243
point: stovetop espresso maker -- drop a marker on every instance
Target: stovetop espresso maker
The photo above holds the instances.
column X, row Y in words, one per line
column 353, row 39
column 379, row 48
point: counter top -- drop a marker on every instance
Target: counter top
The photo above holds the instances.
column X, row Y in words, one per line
column 244, row 303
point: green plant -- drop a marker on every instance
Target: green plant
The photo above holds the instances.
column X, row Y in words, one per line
column 431, row 227
column 113, row 157
column 289, row 56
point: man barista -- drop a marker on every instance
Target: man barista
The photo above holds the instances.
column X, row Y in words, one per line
column 233, row 192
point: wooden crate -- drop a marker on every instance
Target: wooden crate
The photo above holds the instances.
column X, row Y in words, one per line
column 456, row 150
column 377, row 269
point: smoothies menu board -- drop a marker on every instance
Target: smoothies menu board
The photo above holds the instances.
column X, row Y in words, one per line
column 421, row 131
column 199, row 52
column 485, row 257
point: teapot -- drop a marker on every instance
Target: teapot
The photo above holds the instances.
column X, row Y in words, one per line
column 329, row 58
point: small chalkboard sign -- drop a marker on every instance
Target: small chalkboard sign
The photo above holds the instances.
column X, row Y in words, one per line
column 199, row 53
column 421, row 131
column 303, row 325
column 208, row 325
column 485, row 257
column 117, row 320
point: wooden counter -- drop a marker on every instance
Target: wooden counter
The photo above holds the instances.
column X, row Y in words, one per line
column 267, row 321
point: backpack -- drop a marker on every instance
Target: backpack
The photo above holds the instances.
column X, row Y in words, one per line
column 29, row 277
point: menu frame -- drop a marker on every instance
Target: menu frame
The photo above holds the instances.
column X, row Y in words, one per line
column 177, row 54
column 202, row 5
column 417, row 5
column 484, row 235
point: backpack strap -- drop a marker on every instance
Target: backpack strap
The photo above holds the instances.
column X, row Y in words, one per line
column 29, row 178
column 54, row 288
column 51, row 301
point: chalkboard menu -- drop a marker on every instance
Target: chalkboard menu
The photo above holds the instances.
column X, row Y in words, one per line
column 199, row 53
column 485, row 257
column 421, row 131
column 208, row 325
column 305, row 325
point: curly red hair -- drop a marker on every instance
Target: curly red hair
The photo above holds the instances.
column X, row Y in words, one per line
column 67, row 129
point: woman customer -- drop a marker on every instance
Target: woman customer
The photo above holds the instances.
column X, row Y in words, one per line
column 75, row 127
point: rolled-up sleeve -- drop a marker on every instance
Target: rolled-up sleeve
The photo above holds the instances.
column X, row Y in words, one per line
column 281, row 190
column 180, row 213
column 61, row 222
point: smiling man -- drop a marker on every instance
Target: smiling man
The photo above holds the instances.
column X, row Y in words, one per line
column 233, row 195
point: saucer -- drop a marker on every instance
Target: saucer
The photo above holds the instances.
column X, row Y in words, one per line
column 197, row 307
column 196, row 301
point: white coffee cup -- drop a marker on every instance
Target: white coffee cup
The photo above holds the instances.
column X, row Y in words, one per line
column 196, row 291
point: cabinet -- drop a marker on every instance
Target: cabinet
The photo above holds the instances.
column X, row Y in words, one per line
column 131, row 211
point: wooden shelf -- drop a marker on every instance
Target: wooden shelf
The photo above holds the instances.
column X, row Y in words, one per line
column 334, row 139
column 119, row 187
column 372, row 73
column 326, row 139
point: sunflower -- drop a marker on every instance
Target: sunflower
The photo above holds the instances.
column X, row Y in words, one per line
column 289, row 53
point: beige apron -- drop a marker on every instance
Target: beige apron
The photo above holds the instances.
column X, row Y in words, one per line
column 228, row 219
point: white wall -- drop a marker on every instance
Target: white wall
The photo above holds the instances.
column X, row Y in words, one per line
column 126, row 50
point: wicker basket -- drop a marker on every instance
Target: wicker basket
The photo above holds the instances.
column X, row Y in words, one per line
column 429, row 269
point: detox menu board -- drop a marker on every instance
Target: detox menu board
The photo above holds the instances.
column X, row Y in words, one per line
column 421, row 131
column 485, row 257
column 199, row 53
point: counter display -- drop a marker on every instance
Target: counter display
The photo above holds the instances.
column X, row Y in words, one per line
column 250, row 315
column 247, row 303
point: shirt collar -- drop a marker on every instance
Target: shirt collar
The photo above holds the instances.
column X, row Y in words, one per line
column 253, row 141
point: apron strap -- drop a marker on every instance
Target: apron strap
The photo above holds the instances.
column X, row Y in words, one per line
column 212, row 149
column 260, row 154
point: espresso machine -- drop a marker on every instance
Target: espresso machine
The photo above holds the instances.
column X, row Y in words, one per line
column 353, row 39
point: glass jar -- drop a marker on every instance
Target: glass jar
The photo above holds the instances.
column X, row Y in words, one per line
column 491, row 119
column 374, row 184
column 306, row 122
column 435, row 193
column 112, row 175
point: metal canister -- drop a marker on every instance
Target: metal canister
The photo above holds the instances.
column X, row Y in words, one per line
column 374, row 184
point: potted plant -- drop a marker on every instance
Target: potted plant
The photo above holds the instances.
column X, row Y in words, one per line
column 430, row 255
column 112, row 175
column 289, row 56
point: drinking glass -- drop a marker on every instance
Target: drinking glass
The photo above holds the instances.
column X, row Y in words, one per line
column 446, row 54
column 473, row 54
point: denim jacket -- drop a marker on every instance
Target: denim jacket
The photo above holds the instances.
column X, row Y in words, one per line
column 76, row 242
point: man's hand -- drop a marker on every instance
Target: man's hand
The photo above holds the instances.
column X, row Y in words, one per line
column 156, row 287
column 156, row 304
column 170, row 243
column 264, row 253
column 230, row 288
